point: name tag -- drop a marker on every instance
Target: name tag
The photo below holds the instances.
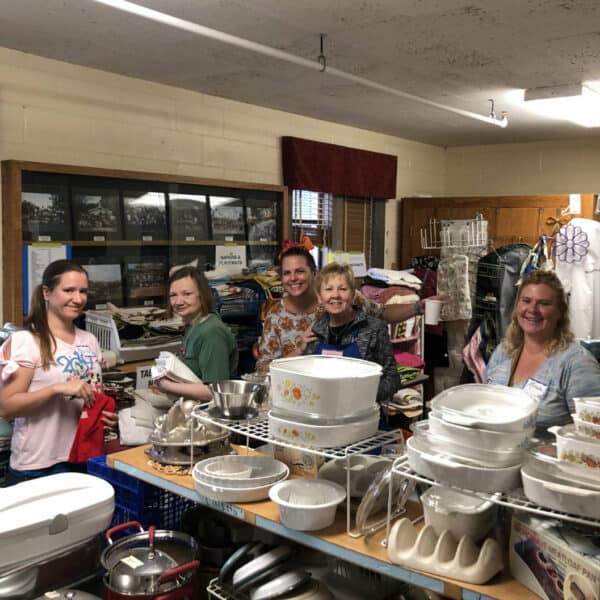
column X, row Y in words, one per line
column 535, row 389
column 332, row 353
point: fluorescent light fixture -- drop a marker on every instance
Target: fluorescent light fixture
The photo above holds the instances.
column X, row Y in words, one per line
column 577, row 103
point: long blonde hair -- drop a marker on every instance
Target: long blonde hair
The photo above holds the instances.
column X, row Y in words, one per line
column 563, row 336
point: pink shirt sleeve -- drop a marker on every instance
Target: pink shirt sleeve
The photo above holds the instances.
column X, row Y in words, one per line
column 24, row 350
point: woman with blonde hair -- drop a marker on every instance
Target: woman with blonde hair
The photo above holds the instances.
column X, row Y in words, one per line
column 540, row 354
column 345, row 330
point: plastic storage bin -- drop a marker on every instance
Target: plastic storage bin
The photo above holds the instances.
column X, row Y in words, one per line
column 137, row 500
column 103, row 326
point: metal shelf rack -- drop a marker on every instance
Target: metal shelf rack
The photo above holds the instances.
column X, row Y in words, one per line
column 513, row 499
column 258, row 429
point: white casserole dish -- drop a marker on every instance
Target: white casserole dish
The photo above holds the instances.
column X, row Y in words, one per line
column 323, row 436
column 307, row 504
column 462, row 514
column 479, row 438
column 262, row 471
column 455, row 445
column 485, row 406
column 576, row 451
column 328, row 387
column 586, row 428
column 43, row 517
column 451, row 470
column 588, row 409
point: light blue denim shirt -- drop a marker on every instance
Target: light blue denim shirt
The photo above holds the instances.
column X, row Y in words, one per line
column 565, row 375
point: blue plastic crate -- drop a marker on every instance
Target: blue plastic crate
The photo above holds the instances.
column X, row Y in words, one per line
column 136, row 500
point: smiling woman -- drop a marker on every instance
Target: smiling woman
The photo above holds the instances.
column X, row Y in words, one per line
column 540, row 354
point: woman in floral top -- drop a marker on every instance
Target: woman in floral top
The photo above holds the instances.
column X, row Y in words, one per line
column 288, row 319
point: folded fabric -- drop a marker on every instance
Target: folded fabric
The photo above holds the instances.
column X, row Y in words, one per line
column 89, row 437
column 392, row 277
column 407, row 359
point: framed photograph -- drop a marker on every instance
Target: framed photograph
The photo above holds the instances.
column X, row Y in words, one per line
column 145, row 216
column 227, row 218
column 97, row 214
column 188, row 217
column 145, row 281
column 45, row 214
column 105, row 285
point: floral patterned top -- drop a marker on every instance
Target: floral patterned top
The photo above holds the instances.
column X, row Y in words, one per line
column 282, row 329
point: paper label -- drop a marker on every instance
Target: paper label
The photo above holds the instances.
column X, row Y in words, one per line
column 146, row 238
column 99, row 238
column 132, row 562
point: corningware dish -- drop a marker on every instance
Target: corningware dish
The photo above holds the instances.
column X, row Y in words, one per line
column 264, row 470
column 232, row 494
column 371, row 514
column 261, row 564
column 456, row 471
column 312, row 419
column 229, row 469
column 363, row 469
column 461, row 514
column 242, row 555
column 586, row 428
column 498, row 458
column 588, row 409
column 307, row 504
column 330, row 387
column 493, row 407
column 323, row 436
column 234, row 397
column 281, row 585
column 577, row 451
column 478, row 438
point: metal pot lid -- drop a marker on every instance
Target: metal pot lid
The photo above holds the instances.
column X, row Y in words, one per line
column 143, row 562
column 67, row 594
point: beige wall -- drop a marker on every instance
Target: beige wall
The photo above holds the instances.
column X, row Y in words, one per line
column 535, row 168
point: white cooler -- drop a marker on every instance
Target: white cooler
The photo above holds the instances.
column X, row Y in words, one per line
column 46, row 517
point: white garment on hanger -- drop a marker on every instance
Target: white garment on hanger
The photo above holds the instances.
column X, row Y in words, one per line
column 581, row 279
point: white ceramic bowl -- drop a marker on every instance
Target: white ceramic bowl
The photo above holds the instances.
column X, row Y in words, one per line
column 307, row 504
column 229, row 469
column 461, row 514
column 493, row 407
column 323, row 436
column 588, row 409
column 577, row 451
column 324, row 386
column 455, row 445
column 479, row 438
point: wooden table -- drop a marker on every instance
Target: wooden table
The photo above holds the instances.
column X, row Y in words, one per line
column 366, row 552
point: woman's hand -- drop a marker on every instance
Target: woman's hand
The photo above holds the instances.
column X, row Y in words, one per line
column 76, row 388
column 307, row 337
column 110, row 419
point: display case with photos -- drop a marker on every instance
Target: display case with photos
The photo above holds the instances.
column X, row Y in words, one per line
column 145, row 215
column 188, row 217
column 140, row 223
column 96, row 214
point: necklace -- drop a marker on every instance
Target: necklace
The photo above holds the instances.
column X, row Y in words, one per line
column 336, row 334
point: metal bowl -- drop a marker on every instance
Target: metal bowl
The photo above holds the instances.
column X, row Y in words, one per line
column 234, row 398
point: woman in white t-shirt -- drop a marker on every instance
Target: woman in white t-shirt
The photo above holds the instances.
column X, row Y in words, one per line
column 51, row 370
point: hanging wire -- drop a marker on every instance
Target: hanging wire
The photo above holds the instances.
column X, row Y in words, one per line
column 321, row 57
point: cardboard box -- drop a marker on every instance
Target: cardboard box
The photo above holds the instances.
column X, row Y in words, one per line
column 300, row 462
column 555, row 560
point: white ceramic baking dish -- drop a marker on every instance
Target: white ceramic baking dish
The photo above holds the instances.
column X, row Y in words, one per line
column 577, row 451
column 451, row 470
column 461, row 514
column 479, row 438
column 493, row 407
column 324, row 386
column 586, row 428
column 307, row 504
column 588, row 409
column 455, row 445
column 262, row 471
column 323, row 436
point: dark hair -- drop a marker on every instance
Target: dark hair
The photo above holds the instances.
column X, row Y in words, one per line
column 298, row 251
column 563, row 335
column 207, row 300
column 37, row 320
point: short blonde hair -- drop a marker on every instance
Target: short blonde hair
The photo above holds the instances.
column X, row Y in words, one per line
column 563, row 336
column 333, row 269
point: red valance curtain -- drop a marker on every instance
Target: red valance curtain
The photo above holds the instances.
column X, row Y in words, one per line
column 328, row 168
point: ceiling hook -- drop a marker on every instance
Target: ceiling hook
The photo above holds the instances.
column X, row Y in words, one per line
column 492, row 111
column 322, row 58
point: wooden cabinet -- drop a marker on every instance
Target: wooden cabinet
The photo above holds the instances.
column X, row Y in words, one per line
column 142, row 222
column 511, row 219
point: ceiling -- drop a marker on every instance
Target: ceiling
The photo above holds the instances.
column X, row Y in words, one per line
column 459, row 53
